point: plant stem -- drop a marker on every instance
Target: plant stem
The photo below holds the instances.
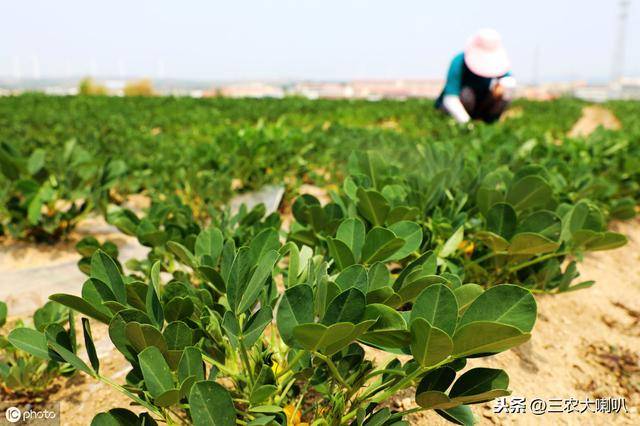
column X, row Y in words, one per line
column 534, row 261
column 220, row 367
column 333, row 369
column 291, row 364
column 245, row 360
column 131, row 395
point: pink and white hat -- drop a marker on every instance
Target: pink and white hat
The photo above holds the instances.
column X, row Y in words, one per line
column 485, row 55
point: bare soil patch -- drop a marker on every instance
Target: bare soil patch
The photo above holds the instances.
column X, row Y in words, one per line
column 594, row 116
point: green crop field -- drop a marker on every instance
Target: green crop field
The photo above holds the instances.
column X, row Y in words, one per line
column 425, row 240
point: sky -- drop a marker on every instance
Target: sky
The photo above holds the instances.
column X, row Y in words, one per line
column 319, row 40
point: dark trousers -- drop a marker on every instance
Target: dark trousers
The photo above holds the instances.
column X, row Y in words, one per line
column 488, row 109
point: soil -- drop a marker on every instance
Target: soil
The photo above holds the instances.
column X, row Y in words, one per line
column 594, row 116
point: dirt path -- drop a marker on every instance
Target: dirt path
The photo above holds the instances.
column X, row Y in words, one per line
column 585, row 344
column 593, row 116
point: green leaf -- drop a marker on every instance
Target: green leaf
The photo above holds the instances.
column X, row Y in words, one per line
column 3, row 313
column 178, row 308
column 429, row 345
column 341, row 253
column 190, row 364
column 142, row 336
column 106, row 270
column 451, row 245
column 505, row 304
column 155, row 371
column 437, row 304
column 258, row 278
column 379, row 245
column 390, row 329
column 543, row 222
column 90, row 346
column 352, row 232
column 78, row 304
column 184, row 255
column 608, row 241
column 256, row 324
column 208, row 246
column 493, row 241
column 152, row 301
column 36, row 161
column 529, row 192
column 296, row 307
column 70, row 357
column 263, row 243
column 479, row 385
column 486, row 337
column 178, row 335
column 30, row 341
column 411, row 233
column 461, row 415
column 430, row 391
column 501, row 220
column 531, row 244
column 372, row 206
column 355, row 276
column 348, row 306
column 466, row 294
column 211, row 405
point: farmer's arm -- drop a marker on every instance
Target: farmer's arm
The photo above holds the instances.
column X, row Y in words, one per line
column 451, row 99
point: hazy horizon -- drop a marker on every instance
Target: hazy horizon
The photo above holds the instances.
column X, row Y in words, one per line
column 286, row 40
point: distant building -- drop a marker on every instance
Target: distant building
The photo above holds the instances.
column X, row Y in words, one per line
column 247, row 90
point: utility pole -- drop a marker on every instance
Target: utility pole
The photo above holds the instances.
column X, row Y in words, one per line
column 617, row 70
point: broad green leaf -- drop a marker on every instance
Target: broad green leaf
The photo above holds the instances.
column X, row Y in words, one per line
column 411, row 233
column 466, row 294
column 372, row 206
column 486, row 337
column 378, row 277
column 543, row 222
column 256, row 324
column 78, row 304
column 494, row 241
column 355, row 276
column 411, row 289
column 379, row 245
column 106, row 270
column 211, row 405
column 142, row 336
column 528, row 243
column 178, row 335
column 155, row 371
column 461, row 415
column 352, row 232
column 255, row 286
column 529, row 192
column 341, row 253
column 505, row 304
column 30, row 341
column 314, row 336
column 479, row 385
column 437, row 304
column 178, row 308
column 429, row 345
column 184, row 255
column 263, row 243
column 191, row 364
column 390, row 329
column 608, row 241
column 501, row 220
column 348, row 306
column 296, row 307
column 208, row 246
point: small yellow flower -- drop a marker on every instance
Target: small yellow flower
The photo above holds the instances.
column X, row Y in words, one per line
column 294, row 417
column 467, row 247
